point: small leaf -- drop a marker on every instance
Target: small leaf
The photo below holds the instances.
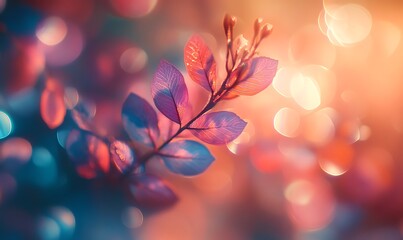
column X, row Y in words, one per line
column 140, row 120
column 217, row 127
column 200, row 63
column 186, row 157
column 89, row 153
column 52, row 105
column 122, row 155
column 151, row 192
column 83, row 114
column 258, row 75
column 169, row 92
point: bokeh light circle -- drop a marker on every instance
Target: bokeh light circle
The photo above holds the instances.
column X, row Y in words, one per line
column 133, row 8
column 5, row 125
column 132, row 217
column 349, row 23
column 286, row 122
column 133, row 60
column 336, row 157
column 52, row 31
column 305, row 91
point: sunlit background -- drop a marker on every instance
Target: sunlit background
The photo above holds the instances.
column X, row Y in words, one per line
column 320, row 158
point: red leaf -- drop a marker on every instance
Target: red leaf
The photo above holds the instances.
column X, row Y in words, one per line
column 52, row 105
column 258, row 75
column 200, row 63
column 89, row 153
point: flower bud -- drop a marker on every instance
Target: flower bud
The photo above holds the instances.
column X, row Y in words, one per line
column 266, row 30
column 258, row 23
column 227, row 23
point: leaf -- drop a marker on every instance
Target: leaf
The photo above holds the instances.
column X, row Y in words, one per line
column 122, row 155
column 52, row 106
column 151, row 192
column 186, row 157
column 140, row 120
column 217, row 127
column 169, row 92
column 200, row 63
column 258, row 75
column 89, row 153
column 83, row 114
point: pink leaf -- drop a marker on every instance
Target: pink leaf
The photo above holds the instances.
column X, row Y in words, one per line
column 169, row 92
column 140, row 120
column 186, row 157
column 151, row 192
column 122, row 155
column 200, row 63
column 217, row 127
column 52, row 105
column 258, row 75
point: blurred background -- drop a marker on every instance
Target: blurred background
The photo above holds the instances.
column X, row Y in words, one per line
column 320, row 158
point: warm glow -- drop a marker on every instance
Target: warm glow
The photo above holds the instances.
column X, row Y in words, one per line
column 336, row 158
column 305, row 92
column 286, row 122
column 52, row 31
column 349, row 24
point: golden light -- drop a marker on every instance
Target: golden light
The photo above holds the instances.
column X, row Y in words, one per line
column 52, row 31
column 318, row 127
column 305, row 91
column 349, row 23
column 286, row 122
column 282, row 80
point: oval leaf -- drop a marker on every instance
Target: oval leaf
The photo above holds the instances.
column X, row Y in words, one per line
column 186, row 157
column 200, row 63
column 140, row 120
column 89, row 153
column 169, row 92
column 122, row 155
column 217, row 127
column 52, row 107
column 83, row 114
column 151, row 192
column 259, row 75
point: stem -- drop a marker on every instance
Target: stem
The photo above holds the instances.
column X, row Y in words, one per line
column 211, row 103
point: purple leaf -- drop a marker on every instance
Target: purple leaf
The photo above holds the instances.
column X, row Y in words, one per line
column 151, row 192
column 140, row 120
column 217, row 127
column 122, row 155
column 89, row 153
column 256, row 77
column 186, row 157
column 200, row 63
column 169, row 92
